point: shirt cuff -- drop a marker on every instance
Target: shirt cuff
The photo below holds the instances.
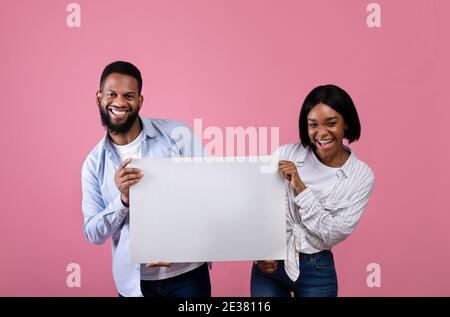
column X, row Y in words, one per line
column 305, row 198
column 118, row 206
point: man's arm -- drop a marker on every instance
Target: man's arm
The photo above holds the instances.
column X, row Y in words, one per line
column 100, row 220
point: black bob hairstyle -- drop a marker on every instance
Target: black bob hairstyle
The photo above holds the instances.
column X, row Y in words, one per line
column 340, row 101
column 124, row 68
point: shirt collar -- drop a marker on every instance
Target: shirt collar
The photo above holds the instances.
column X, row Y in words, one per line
column 348, row 165
column 344, row 170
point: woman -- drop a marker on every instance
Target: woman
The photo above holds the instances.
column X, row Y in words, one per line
column 327, row 191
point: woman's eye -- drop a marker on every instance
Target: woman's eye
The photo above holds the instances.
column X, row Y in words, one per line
column 312, row 125
column 331, row 124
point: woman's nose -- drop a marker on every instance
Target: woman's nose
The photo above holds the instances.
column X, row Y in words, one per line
column 322, row 132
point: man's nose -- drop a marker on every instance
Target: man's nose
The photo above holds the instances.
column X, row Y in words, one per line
column 120, row 101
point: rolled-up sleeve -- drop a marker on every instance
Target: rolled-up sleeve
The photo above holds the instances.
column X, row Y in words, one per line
column 333, row 225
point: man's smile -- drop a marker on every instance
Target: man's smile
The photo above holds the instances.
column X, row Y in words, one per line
column 118, row 113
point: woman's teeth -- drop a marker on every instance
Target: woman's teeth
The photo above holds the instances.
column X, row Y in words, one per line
column 324, row 143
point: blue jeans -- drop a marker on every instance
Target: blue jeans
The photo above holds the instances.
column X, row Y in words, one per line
column 195, row 283
column 317, row 278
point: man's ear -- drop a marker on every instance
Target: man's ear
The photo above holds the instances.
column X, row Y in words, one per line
column 98, row 97
column 141, row 101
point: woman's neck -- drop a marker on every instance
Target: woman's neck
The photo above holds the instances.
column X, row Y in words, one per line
column 336, row 159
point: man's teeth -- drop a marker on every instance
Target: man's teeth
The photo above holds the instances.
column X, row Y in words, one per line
column 118, row 112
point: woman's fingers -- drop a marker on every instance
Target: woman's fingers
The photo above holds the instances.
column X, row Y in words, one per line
column 287, row 170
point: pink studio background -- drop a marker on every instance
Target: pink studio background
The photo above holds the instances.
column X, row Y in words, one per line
column 230, row 63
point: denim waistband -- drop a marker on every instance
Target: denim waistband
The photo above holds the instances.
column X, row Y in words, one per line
column 314, row 255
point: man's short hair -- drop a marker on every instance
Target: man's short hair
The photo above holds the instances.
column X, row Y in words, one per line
column 125, row 68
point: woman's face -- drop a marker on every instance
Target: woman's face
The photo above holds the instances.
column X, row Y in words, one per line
column 326, row 129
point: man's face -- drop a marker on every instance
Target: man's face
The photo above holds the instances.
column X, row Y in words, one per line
column 119, row 102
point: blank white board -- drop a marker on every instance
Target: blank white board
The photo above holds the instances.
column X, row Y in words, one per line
column 206, row 211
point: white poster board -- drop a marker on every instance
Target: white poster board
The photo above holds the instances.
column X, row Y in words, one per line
column 206, row 211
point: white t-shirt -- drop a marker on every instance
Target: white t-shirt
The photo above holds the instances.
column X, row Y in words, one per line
column 132, row 149
column 320, row 178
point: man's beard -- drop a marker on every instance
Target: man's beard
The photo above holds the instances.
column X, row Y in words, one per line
column 117, row 129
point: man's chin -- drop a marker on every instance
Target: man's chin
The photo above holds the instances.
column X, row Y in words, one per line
column 117, row 122
column 118, row 125
column 118, row 128
column 115, row 129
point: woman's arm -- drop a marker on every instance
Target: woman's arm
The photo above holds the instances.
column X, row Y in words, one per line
column 328, row 222
column 332, row 223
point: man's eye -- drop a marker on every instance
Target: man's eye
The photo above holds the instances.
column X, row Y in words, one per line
column 110, row 95
column 130, row 97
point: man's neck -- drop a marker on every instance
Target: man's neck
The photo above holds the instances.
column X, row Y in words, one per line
column 128, row 137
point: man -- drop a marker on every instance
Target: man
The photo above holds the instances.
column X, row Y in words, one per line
column 106, row 179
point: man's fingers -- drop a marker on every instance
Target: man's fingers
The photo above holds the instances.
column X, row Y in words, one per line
column 129, row 177
column 125, row 185
column 131, row 170
column 122, row 167
column 125, row 177
column 128, row 170
column 125, row 163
